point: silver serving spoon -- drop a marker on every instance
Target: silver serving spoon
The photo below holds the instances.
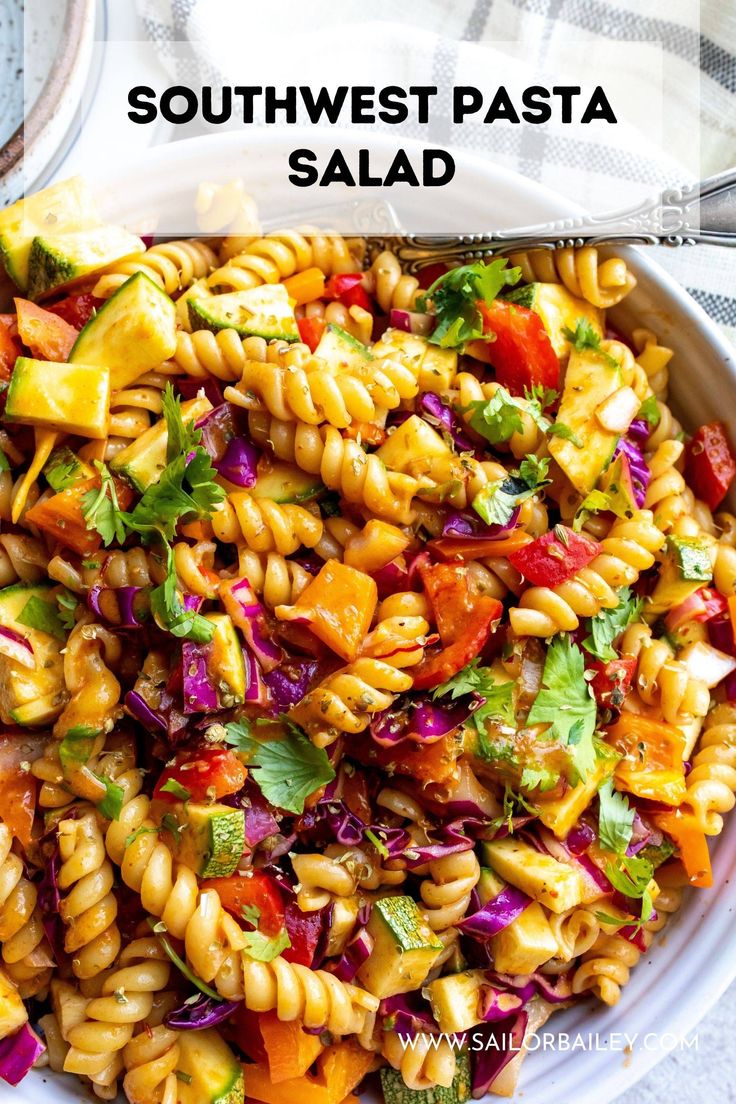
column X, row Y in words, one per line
column 703, row 213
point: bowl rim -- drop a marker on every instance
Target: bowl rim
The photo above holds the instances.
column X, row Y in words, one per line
column 70, row 47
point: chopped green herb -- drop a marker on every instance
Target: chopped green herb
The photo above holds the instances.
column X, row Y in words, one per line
column 615, row 819
column 112, row 802
column 500, row 417
column 181, row 965
column 559, row 429
column 101, row 509
column 265, row 948
column 67, row 604
column 566, row 703
column 455, row 296
column 649, row 411
column 377, row 843
column 287, row 771
column 171, row 825
column 175, row 787
column 142, row 831
column 607, row 625
column 76, row 747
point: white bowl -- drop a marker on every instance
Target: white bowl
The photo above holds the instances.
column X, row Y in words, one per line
column 694, row 960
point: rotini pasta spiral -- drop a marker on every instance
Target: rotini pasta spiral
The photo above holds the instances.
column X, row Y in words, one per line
column 88, row 906
column 627, row 551
column 428, row 1062
column 711, row 784
column 222, row 355
column 345, row 701
column 654, row 359
column 25, row 951
column 392, row 289
column 173, row 265
column 446, row 893
column 150, row 1060
column 661, row 679
column 355, row 320
column 342, row 464
column 606, row 967
column 270, row 259
column 316, row 997
column 602, row 283
column 265, row 526
column 575, row 931
column 125, row 1000
column 93, row 688
column 309, row 392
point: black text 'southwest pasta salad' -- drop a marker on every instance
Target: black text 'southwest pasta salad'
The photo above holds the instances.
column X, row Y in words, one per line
column 366, row 660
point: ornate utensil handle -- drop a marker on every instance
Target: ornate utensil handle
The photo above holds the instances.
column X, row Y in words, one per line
column 704, row 212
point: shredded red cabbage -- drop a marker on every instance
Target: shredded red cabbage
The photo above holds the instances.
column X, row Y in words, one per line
column 18, row 1052
column 461, row 526
column 260, row 822
column 49, row 902
column 15, row 646
column 255, row 626
column 421, row 721
column 189, row 387
column 486, row 1063
column 238, row 465
column 437, row 412
column 580, row 838
column 355, row 954
column 496, row 1004
column 289, row 683
column 125, row 597
column 409, row 1014
column 496, row 915
column 201, row 1013
column 640, row 473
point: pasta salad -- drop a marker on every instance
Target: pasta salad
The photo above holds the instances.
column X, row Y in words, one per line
column 367, row 659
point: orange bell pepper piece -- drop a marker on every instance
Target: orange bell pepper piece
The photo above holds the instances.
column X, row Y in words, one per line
column 651, row 765
column 289, row 1048
column 305, row 287
column 339, row 605
column 339, row 1070
column 474, row 549
column 46, row 335
column 10, row 346
column 62, row 517
column 732, row 614
column 691, row 842
column 17, row 785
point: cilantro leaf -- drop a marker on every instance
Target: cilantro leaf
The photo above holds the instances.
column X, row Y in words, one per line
column 265, row 948
column 67, row 604
column 170, row 612
column 101, row 509
column 182, row 436
column 43, row 616
column 584, row 336
column 499, row 418
column 112, row 802
column 649, row 411
column 171, row 825
column 173, row 786
column 615, row 819
column 77, row 745
column 287, row 771
column 541, row 778
column 141, row 831
column 251, row 913
column 497, row 500
column 566, row 703
column 559, row 429
column 474, row 679
column 455, row 296
column 630, row 875
column 610, row 623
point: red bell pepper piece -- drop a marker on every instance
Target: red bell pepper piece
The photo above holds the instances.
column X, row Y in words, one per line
column 448, row 593
column 710, row 466
column 77, row 309
column 10, row 345
column 703, row 605
column 205, row 773
column 254, row 890
column 441, row 666
column 311, row 330
column 612, row 680
column 522, row 352
column 304, row 930
column 554, row 557
column 427, row 276
column 48, row 336
column 348, row 288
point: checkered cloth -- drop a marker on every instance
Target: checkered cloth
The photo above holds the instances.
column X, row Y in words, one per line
column 223, row 33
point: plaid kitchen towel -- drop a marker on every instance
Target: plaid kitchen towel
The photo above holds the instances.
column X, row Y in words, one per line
column 695, row 39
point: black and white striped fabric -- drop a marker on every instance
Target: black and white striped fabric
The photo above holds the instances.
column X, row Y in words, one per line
column 696, row 39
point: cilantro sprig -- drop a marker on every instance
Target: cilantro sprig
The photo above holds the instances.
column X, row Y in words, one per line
column 497, row 500
column 607, row 625
column 287, row 771
column 455, row 297
column 566, row 703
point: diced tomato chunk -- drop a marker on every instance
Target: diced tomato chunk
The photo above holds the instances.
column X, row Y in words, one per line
column 204, row 773
column 554, row 557
column 710, row 467
column 521, row 351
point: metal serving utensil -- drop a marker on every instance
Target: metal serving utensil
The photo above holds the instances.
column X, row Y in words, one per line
column 703, row 213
